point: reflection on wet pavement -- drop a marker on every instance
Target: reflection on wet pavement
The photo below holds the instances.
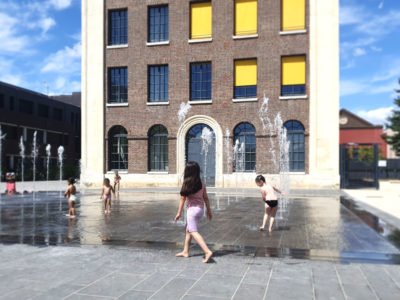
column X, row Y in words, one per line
column 313, row 227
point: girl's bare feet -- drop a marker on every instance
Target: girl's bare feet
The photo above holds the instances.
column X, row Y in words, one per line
column 208, row 256
column 270, row 229
column 182, row 254
column 105, row 211
column 262, row 228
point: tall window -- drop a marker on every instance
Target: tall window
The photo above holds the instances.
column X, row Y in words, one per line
column 158, row 148
column 118, row 85
column 118, row 27
column 295, row 135
column 1, row 101
column 57, row 114
column 158, row 23
column 293, row 75
column 43, row 111
column 200, row 81
column 245, row 17
column 158, row 83
column 293, row 15
column 245, row 78
column 200, row 20
column 245, row 160
column 117, row 148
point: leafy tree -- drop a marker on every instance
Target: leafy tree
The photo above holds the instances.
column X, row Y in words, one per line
column 394, row 124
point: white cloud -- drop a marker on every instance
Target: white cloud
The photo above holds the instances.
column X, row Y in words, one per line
column 350, row 15
column 65, row 61
column 376, row 49
column 11, row 79
column 46, row 23
column 347, row 49
column 392, row 72
column 376, row 116
column 60, row 4
column 352, row 87
column 380, row 6
column 378, row 25
column 10, row 40
column 359, row 52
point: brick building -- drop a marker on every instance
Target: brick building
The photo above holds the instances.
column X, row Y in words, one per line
column 356, row 130
column 22, row 112
column 143, row 59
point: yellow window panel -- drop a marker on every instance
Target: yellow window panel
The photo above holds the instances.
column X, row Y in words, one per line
column 293, row 70
column 245, row 17
column 201, row 20
column 293, row 15
column 245, row 72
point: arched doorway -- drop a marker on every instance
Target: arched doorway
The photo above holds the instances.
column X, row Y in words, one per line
column 199, row 151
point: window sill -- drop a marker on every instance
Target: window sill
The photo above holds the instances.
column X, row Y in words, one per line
column 157, row 103
column 238, row 100
column 293, row 32
column 242, row 37
column 157, row 173
column 163, row 43
column 117, row 104
column 119, row 172
column 293, row 97
column 117, row 46
column 200, row 41
column 200, row 101
column 297, row 173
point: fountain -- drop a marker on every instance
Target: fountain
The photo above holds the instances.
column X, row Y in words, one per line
column 34, row 156
column 60, row 151
column 235, row 162
column 267, row 124
column 241, row 159
column 22, row 154
column 206, row 140
column 48, row 154
column 183, row 110
column 2, row 137
column 228, row 155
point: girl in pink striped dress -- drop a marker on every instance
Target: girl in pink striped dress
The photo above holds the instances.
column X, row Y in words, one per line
column 194, row 193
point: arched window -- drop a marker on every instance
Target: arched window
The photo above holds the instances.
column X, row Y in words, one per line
column 295, row 135
column 245, row 160
column 158, row 148
column 117, row 148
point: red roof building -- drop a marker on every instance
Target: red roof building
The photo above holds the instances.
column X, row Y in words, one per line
column 355, row 130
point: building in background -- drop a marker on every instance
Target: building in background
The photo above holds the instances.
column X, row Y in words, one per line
column 357, row 131
column 58, row 123
column 143, row 59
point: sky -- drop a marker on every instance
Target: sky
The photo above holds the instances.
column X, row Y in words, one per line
column 40, row 45
column 40, row 49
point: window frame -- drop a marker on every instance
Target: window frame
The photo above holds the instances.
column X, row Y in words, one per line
column 246, row 136
column 291, row 134
column 302, row 30
column 119, row 99
column 243, row 36
column 251, row 96
column 204, row 63
column 166, row 26
column 120, row 36
column 190, row 21
column 302, row 87
column 158, row 145
column 163, row 84
column 115, row 132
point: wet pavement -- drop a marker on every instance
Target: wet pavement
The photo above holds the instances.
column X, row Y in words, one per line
column 325, row 228
column 323, row 247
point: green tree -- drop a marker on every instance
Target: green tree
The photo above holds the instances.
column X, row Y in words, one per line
column 394, row 124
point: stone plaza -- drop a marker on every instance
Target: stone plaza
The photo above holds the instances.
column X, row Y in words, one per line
column 323, row 247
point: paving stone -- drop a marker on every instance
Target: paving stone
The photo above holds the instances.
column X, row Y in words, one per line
column 250, row 291
column 223, row 286
column 288, row 289
column 155, row 281
column 358, row 292
column 20, row 294
column 137, row 295
column 59, row 292
column 381, row 282
column 113, row 285
column 175, row 289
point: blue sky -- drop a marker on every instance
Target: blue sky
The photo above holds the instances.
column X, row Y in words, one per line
column 40, row 44
column 40, row 47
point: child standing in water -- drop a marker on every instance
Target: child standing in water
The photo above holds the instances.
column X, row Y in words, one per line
column 194, row 192
column 70, row 193
column 106, row 194
column 117, row 180
column 271, row 201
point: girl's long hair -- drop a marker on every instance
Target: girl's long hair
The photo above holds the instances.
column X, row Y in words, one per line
column 191, row 179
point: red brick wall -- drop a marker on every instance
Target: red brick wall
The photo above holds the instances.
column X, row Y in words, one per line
column 268, row 48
